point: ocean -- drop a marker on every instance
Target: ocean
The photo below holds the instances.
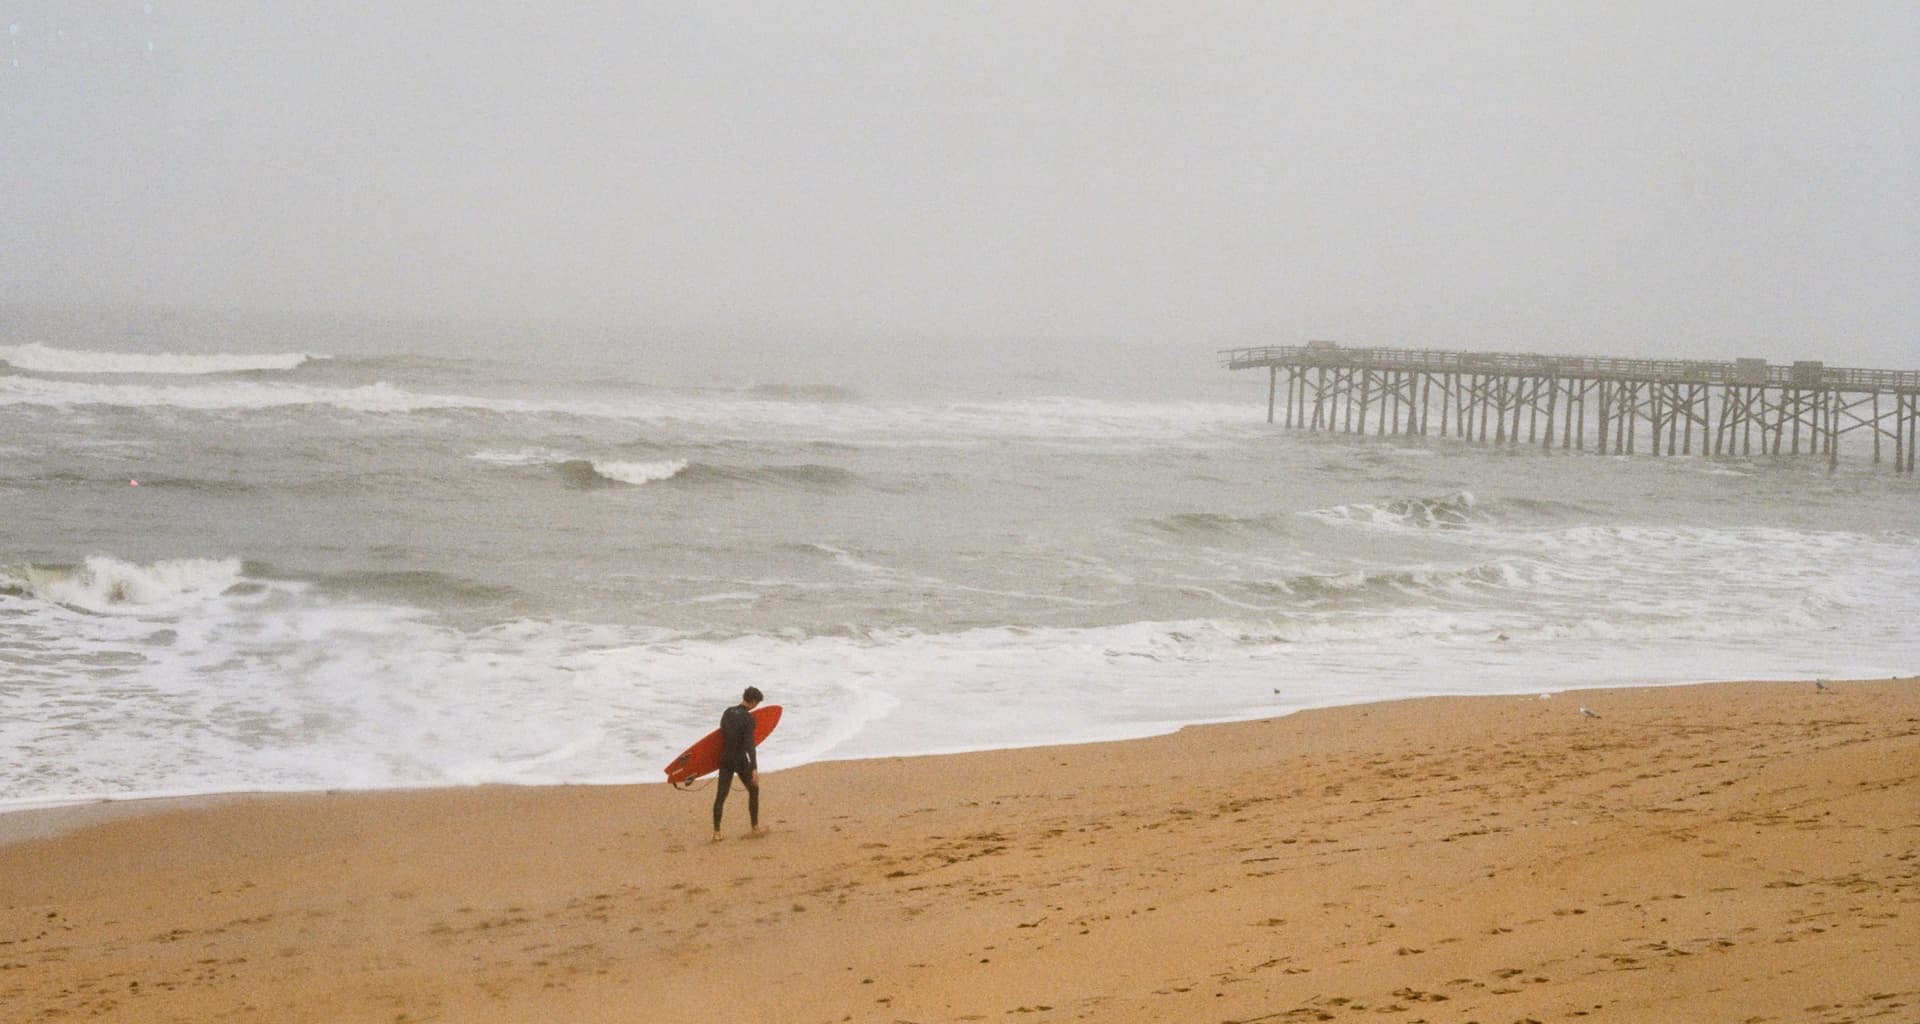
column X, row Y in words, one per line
column 286, row 556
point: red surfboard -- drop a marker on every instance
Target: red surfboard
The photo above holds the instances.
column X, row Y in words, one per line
column 704, row 756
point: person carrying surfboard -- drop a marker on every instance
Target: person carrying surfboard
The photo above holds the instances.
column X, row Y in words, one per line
column 738, row 757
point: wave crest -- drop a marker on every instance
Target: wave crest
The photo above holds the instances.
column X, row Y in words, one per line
column 804, row 392
column 1458, row 581
column 808, row 474
column 640, row 472
column 39, row 358
column 413, row 587
column 1453, row 512
column 104, row 584
column 597, row 473
column 1212, row 523
column 582, row 472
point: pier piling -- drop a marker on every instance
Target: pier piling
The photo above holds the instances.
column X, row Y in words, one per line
column 1805, row 408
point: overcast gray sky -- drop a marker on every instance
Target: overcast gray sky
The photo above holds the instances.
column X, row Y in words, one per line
column 1715, row 178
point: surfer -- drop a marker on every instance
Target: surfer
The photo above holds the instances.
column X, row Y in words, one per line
column 737, row 757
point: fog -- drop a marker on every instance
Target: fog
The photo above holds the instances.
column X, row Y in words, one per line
column 1709, row 179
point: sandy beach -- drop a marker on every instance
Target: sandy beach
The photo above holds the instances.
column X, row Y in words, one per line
column 1724, row 852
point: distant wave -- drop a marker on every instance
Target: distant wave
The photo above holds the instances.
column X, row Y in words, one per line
column 1209, row 523
column 586, row 472
column 640, row 472
column 341, row 384
column 232, row 395
column 146, row 482
column 583, row 472
column 108, row 585
column 521, row 457
column 1459, row 580
column 1546, row 508
column 39, row 358
column 417, row 586
column 803, row 475
column 1458, row 512
column 594, row 473
column 805, row 392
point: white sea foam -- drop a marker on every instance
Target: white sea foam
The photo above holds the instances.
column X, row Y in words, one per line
column 109, row 585
column 1450, row 512
column 39, row 358
column 184, row 676
column 616, row 471
column 232, row 395
column 521, row 457
column 1591, row 563
column 1053, row 422
column 639, row 472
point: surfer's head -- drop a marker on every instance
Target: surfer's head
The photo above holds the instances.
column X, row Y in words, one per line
column 752, row 696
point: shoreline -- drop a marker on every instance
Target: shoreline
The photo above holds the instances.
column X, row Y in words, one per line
column 1713, row 851
column 57, row 815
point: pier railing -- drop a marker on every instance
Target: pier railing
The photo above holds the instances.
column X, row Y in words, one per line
column 1752, row 372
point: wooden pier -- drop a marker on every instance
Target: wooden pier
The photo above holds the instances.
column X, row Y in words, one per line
column 1659, row 406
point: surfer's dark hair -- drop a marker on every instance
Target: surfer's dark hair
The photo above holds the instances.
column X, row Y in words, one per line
column 752, row 696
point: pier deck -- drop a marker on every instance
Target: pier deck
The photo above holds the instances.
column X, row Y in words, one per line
column 1741, row 407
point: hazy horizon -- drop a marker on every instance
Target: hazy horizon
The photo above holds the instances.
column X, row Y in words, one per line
column 1717, row 181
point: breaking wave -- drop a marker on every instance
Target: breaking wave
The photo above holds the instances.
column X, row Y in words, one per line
column 38, row 358
column 808, row 475
column 1453, row 512
column 109, row 585
column 343, row 385
column 232, row 395
column 1459, row 511
column 594, row 473
column 583, row 472
column 1454, row 580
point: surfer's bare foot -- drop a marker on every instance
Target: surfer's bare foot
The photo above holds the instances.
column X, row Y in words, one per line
column 758, row 830
column 717, row 836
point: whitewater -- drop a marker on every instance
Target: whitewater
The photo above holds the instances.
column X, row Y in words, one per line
column 293, row 561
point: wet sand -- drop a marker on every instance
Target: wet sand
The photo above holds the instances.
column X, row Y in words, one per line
column 1725, row 852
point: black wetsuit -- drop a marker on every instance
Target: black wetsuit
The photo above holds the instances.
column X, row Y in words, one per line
column 737, row 757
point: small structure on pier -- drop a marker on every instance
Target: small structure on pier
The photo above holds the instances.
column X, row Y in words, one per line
column 1622, row 405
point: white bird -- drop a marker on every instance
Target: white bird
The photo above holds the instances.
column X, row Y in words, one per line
column 1819, row 684
column 1585, row 711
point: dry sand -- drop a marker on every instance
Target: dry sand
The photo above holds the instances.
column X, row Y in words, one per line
column 1729, row 852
